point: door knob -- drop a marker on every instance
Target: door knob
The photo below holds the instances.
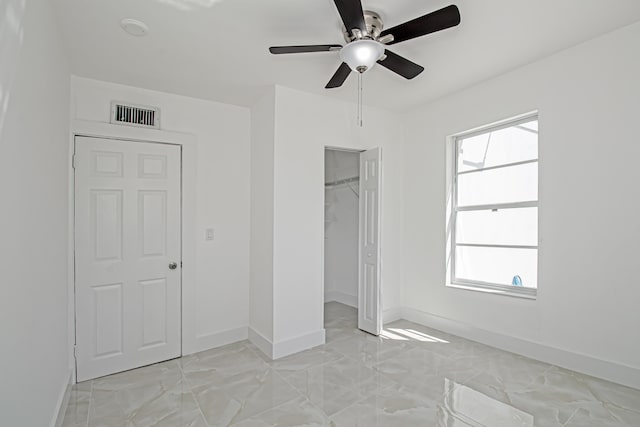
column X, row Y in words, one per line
column 173, row 266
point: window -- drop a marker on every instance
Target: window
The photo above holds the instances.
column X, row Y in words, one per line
column 494, row 215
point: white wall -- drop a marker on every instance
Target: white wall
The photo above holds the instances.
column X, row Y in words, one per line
column 341, row 228
column 261, row 291
column 34, row 123
column 588, row 99
column 305, row 124
column 222, row 200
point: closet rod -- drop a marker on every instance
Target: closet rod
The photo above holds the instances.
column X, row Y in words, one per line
column 342, row 181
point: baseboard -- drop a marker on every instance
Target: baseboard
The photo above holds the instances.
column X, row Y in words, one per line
column 391, row 315
column 263, row 344
column 295, row 345
column 287, row 347
column 63, row 402
column 341, row 297
column 589, row 365
column 218, row 339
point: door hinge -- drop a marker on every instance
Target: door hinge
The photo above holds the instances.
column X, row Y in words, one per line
column 73, row 161
column 75, row 352
column 180, row 264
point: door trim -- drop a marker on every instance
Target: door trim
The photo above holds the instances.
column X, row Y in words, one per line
column 187, row 142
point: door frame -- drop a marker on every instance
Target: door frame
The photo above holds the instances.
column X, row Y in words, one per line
column 380, row 226
column 187, row 143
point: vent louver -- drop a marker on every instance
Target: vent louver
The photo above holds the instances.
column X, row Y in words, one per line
column 135, row 115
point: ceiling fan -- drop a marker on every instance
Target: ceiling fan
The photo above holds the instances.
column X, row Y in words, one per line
column 366, row 40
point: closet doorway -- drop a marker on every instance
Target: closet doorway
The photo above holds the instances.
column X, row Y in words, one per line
column 351, row 241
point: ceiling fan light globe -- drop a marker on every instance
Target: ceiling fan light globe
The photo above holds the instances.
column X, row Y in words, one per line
column 362, row 54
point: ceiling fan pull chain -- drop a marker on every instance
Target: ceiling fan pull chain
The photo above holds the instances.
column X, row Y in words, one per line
column 358, row 103
column 360, row 99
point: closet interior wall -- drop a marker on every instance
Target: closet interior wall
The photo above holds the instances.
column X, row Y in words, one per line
column 342, row 170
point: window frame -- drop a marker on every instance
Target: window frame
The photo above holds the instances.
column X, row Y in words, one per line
column 479, row 285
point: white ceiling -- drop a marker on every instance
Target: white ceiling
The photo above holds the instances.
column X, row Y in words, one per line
column 217, row 49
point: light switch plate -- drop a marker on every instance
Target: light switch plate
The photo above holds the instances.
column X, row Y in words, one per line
column 209, row 234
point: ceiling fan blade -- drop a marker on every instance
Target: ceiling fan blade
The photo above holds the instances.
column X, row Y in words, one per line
column 430, row 23
column 279, row 50
column 339, row 77
column 400, row 65
column 351, row 14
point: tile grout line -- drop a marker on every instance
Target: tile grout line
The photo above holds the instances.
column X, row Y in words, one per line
column 303, row 396
column 277, row 406
column 306, row 399
column 312, row 366
column 343, row 356
column 572, row 415
column 266, row 410
column 90, row 402
column 269, row 368
column 253, row 351
column 349, row 407
column 192, row 393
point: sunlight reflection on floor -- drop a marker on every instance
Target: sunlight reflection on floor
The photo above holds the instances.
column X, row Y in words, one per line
column 400, row 334
column 187, row 5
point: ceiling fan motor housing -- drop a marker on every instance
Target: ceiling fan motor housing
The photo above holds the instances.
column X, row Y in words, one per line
column 374, row 24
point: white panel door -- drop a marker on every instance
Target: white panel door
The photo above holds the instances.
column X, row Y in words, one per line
column 127, row 239
column 369, row 317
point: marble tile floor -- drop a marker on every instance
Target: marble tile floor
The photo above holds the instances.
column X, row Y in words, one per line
column 410, row 376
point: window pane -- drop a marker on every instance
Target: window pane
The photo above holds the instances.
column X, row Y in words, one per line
column 510, row 145
column 497, row 265
column 505, row 185
column 503, row 227
column 532, row 125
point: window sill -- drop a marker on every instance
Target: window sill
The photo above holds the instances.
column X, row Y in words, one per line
column 503, row 292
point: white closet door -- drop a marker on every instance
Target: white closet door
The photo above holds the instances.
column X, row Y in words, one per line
column 369, row 317
column 127, row 255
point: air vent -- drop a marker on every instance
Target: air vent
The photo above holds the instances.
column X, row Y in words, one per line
column 135, row 115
